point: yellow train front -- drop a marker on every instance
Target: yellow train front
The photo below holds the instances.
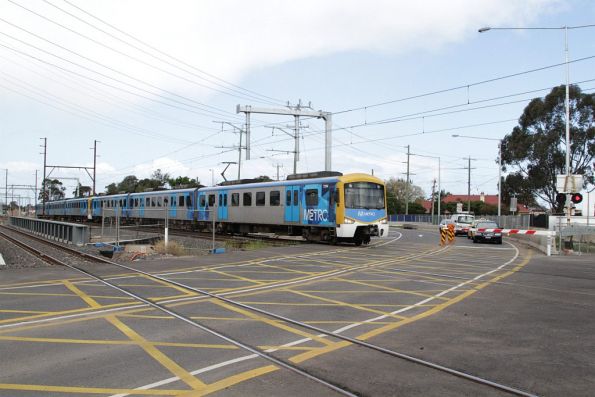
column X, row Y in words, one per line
column 361, row 208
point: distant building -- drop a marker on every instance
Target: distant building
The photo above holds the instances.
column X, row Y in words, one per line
column 491, row 199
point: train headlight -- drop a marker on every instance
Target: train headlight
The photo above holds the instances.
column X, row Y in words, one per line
column 349, row 221
column 383, row 221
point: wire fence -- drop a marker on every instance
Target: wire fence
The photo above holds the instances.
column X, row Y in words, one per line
column 504, row 221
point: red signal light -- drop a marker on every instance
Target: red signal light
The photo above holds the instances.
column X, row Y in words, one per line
column 576, row 198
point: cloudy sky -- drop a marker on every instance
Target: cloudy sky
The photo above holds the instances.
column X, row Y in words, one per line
column 157, row 83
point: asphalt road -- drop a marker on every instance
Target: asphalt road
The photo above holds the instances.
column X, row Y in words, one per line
column 500, row 312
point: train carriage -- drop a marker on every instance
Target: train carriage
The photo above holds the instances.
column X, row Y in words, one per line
column 325, row 206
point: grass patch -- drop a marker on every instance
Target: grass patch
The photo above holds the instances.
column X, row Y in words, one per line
column 173, row 248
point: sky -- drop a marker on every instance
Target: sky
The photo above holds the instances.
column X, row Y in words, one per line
column 157, row 84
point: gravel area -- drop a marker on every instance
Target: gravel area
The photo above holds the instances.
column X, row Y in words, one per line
column 17, row 258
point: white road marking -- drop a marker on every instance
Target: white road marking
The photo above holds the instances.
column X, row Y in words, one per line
column 337, row 331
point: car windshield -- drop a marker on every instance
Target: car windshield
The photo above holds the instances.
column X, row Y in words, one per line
column 366, row 195
column 465, row 219
column 487, row 225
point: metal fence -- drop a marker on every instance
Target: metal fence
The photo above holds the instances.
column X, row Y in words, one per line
column 72, row 233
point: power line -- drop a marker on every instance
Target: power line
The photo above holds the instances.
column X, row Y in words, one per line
column 274, row 101
column 462, row 86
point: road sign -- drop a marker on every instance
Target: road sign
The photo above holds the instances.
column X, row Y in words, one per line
column 459, row 208
column 569, row 183
column 513, row 204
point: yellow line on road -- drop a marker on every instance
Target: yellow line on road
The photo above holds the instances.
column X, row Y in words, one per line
column 397, row 290
column 160, row 357
column 88, row 390
column 446, row 304
column 90, row 301
column 274, row 323
column 231, row 380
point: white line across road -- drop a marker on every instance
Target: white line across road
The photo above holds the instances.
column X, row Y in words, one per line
column 337, row 331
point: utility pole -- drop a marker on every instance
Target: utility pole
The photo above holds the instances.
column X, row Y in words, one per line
column 94, row 165
column 240, row 147
column 278, row 166
column 295, row 111
column 433, row 198
column 43, row 183
column 6, row 191
column 468, row 168
column 407, row 184
column 35, row 197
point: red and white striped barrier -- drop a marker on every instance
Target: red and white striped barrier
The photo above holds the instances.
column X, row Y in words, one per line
column 517, row 231
column 549, row 233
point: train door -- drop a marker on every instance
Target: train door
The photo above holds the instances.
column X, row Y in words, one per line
column 222, row 209
column 202, row 207
column 292, row 204
column 173, row 206
column 316, row 205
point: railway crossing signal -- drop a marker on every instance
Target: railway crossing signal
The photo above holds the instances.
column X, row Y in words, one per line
column 576, row 198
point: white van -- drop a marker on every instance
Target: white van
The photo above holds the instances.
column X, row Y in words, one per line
column 462, row 223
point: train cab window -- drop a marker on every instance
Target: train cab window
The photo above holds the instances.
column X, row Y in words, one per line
column 260, row 199
column 189, row 202
column 211, row 200
column 275, row 198
column 311, row 197
column 288, row 198
column 247, row 199
column 235, row 199
column 203, row 201
column 181, row 201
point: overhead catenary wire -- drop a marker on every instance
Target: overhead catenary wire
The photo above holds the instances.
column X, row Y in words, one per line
column 122, row 53
column 273, row 100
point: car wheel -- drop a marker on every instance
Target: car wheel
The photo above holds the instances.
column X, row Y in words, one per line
column 474, row 240
column 499, row 241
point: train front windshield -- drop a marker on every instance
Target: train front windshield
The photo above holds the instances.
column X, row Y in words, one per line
column 366, row 195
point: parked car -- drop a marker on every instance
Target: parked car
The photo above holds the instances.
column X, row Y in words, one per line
column 482, row 235
column 462, row 223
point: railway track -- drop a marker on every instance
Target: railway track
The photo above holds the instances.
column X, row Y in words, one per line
column 77, row 261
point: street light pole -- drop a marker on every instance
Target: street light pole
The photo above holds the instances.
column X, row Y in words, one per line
column 567, row 101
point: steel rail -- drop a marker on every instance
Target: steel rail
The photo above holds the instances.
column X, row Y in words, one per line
column 323, row 331
column 187, row 320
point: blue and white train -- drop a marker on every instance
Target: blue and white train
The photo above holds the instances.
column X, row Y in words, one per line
column 326, row 206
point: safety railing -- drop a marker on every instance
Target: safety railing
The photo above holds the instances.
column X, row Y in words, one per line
column 70, row 233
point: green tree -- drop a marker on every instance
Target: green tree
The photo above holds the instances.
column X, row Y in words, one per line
column 112, row 188
column 535, row 150
column 53, row 190
column 183, row 182
column 396, row 194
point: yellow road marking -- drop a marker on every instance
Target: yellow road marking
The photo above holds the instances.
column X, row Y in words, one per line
column 401, row 291
column 160, row 357
column 231, row 380
column 446, row 304
column 352, row 305
column 59, row 313
column 90, row 301
column 275, row 323
column 88, row 390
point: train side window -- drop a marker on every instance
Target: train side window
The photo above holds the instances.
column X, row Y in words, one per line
column 203, row 201
column 235, row 199
column 181, row 201
column 247, row 199
column 275, row 198
column 260, row 199
column 147, row 202
column 153, row 202
column 165, row 201
column 189, row 201
column 312, row 197
column 159, row 202
column 288, row 198
column 211, row 200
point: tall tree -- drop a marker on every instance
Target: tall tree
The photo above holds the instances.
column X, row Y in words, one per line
column 183, row 182
column 53, row 190
column 396, row 193
column 536, row 149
